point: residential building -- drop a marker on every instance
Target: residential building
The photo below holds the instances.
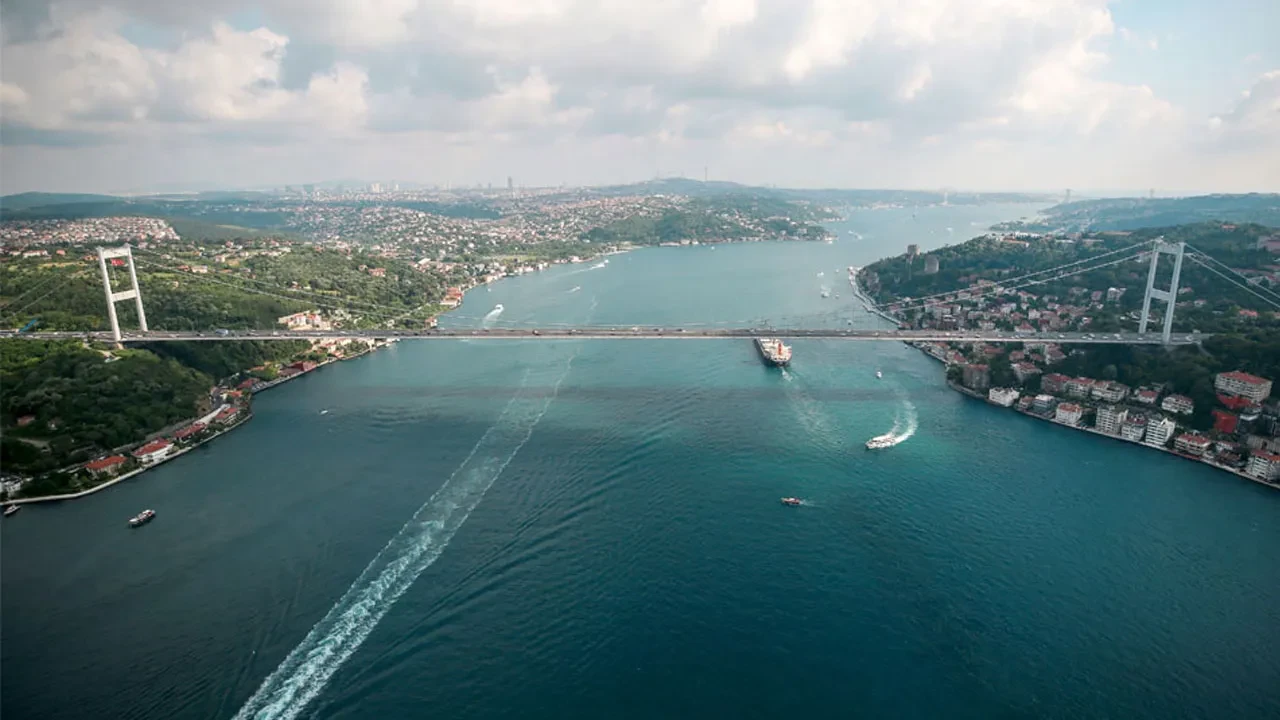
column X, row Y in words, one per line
column 1110, row 419
column 1146, row 397
column 153, row 451
column 1225, row 422
column 189, row 431
column 1180, row 404
column 1263, row 465
column 1112, row 392
column 1024, row 370
column 1192, row 444
column 1055, row 383
column 1159, row 431
column 1243, row 384
column 1133, row 428
column 1043, row 403
column 976, row 377
column 228, row 414
column 1079, row 387
column 105, row 467
column 1004, row 397
column 1068, row 413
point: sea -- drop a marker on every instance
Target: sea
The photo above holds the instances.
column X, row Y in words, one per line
column 592, row 529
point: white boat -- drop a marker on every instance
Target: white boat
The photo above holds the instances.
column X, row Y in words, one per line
column 880, row 442
column 879, row 374
column 497, row 308
column 826, row 294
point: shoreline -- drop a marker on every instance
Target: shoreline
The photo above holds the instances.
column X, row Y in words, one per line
column 1239, row 473
column 131, row 474
column 183, row 451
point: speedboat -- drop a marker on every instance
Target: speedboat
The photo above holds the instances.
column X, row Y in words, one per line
column 880, row 442
column 142, row 518
column 11, row 510
column 879, row 374
column 793, row 502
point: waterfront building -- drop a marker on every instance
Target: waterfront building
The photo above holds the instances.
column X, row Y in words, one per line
column 1043, row 403
column 976, row 377
column 105, row 467
column 1004, row 397
column 153, row 451
column 1191, row 444
column 1146, row 397
column 1055, row 383
column 187, row 432
column 1024, row 370
column 1263, row 465
column 1068, row 413
column 1180, row 404
column 1112, row 392
column 1110, row 419
column 1243, row 384
column 1134, row 428
column 1159, row 432
column 1079, row 387
column 228, row 414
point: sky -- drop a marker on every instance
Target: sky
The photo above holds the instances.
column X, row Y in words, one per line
column 1178, row 96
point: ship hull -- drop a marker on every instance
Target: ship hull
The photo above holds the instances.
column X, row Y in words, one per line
column 769, row 358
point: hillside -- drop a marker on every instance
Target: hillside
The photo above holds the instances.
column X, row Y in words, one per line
column 1137, row 213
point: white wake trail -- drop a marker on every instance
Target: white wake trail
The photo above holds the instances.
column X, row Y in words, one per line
column 308, row 668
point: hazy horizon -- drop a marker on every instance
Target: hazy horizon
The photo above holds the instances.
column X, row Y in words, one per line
column 132, row 96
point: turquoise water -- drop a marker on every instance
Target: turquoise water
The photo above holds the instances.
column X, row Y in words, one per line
column 592, row 528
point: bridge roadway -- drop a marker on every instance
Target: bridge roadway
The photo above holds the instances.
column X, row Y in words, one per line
column 623, row 333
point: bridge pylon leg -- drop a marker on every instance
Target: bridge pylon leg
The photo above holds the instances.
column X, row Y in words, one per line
column 1170, row 296
column 133, row 293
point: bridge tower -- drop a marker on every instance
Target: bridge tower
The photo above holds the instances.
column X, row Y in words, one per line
column 1170, row 296
column 133, row 293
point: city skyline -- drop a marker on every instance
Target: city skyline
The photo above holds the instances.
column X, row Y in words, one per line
column 137, row 95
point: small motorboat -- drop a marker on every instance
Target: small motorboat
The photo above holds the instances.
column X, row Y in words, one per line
column 792, row 502
column 142, row 518
column 881, row 442
column 879, row 374
column 11, row 510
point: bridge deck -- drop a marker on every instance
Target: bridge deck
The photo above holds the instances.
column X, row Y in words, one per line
column 621, row 333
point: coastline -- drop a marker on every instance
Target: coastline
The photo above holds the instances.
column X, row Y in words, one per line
column 182, row 451
column 1239, row 473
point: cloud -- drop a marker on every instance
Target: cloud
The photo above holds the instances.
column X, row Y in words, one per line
column 1256, row 116
column 933, row 82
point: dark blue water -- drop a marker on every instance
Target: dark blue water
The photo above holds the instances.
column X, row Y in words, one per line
column 592, row 529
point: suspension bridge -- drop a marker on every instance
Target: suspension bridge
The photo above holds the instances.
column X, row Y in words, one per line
column 826, row 325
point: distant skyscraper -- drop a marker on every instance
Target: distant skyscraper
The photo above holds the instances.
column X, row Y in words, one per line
column 375, row 187
column 511, row 185
column 1068, row 195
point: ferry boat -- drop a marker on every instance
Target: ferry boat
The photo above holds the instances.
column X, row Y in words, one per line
column 792, row 502
column 142, row 518
column 880, row 442
column 11, row 510
column 773, row 352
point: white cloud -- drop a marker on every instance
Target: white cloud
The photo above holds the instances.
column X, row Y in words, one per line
column 935, row 82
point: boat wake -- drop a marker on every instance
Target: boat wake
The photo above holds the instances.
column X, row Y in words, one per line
column 492, row 315
column 905, row 422
column 308, row 668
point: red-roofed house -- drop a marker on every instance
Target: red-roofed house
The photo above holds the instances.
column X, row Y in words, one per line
column 1243, row 384
column 1054, row 383
column 153, row 451
column 188, row 431
column 106, row 466
column 1068, row 413
column 1263, row 465
column 1191, row 444
column 1178, row 404
column 228, row 415
column 1225, row 422
column 1079, row 387
column 1146, row 397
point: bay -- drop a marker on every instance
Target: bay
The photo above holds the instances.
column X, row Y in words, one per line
column 598, row 532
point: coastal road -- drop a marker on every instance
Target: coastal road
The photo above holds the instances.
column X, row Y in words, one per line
column 624, row 333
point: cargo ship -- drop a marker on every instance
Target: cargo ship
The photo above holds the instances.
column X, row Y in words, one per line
column 773, row 352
